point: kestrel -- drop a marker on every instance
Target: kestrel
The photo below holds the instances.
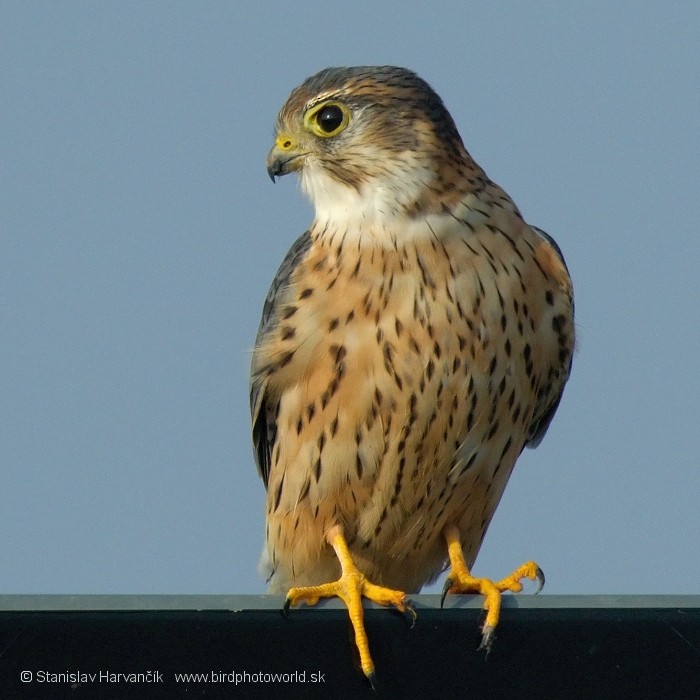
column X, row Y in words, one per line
column 415, row 339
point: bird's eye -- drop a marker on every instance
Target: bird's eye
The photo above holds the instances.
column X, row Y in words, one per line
column 327, row 119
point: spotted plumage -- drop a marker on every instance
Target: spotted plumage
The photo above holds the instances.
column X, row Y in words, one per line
column 413, row 342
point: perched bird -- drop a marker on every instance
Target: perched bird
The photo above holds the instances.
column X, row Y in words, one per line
column 415, row 339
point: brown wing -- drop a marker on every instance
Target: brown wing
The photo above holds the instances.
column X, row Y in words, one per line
column 538, row 429
column 263, row 412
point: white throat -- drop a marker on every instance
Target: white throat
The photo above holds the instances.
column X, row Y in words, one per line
column 377, row 213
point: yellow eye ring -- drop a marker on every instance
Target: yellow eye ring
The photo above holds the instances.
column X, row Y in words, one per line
column 327, row 119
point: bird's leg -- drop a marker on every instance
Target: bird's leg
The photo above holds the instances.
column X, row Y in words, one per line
column 460, row 580
column 351, row 587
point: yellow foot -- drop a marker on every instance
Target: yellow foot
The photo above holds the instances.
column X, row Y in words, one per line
column 351, row 587
column 460, row 580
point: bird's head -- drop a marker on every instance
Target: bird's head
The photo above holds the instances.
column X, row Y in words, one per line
column 375, row 141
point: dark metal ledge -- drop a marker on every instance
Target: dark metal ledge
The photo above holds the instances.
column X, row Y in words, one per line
column 547, row 646
column 237, row 603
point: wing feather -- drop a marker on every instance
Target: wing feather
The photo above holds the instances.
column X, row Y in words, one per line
column 263, row 411
column 538, row 429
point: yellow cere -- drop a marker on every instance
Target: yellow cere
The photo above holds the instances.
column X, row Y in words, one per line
column 284, row 142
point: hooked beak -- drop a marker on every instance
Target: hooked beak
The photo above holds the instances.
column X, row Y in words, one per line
column 284, row 157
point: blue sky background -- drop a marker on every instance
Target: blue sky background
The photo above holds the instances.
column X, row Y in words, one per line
column 139, row 233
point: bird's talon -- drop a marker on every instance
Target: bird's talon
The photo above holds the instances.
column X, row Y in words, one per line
column 372, row 677
column 487, row 639
column 445, row 590
column 539, row 576
column 285, row 607
column 408, row 608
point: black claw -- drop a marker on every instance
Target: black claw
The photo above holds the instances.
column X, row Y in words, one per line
column 487, row 639
column 445, row 591
column 285, row 607
column 412, row 612
column 539, row 574
column 372, row 678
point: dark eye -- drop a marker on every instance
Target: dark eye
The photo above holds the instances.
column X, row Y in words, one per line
column 329, row 118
